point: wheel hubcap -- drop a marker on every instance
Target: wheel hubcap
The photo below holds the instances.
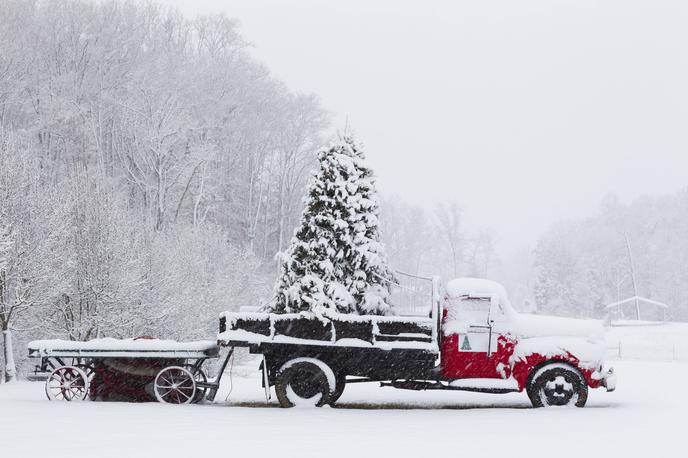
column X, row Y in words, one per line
column 558, row 391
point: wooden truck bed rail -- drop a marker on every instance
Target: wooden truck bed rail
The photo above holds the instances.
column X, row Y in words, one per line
column 245, row 329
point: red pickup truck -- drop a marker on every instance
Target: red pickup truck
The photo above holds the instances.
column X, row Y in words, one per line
column 473, row 341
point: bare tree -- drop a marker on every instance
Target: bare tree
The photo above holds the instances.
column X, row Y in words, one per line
column 29, row 226
column 448, row 218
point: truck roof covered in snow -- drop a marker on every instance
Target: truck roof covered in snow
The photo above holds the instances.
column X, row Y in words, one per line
column 476, row 287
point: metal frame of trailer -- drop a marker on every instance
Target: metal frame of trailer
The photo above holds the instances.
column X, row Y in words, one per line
column 182, row 381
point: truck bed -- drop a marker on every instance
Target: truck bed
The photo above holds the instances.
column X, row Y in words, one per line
column 378, row 348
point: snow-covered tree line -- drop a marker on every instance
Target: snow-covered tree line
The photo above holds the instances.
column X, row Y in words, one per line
column 173, row 109
column 583, row 265
column 150, row 169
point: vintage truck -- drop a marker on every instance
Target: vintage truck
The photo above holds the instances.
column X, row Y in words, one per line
column 473, row 340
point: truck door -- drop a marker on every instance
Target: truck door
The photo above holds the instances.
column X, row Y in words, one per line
column 470, row 346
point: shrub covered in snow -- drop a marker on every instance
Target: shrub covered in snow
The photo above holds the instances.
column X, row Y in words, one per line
column 335, row 260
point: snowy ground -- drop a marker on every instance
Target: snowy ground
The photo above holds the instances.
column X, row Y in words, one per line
column 644, row 417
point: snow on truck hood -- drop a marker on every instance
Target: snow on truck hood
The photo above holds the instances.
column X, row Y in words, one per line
column 525, row 325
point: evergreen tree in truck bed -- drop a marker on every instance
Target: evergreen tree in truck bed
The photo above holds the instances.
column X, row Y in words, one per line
column 335, row 261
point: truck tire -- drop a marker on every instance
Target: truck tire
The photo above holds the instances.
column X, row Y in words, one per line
column 557, row 384
column 339, row 390
column 305, row 382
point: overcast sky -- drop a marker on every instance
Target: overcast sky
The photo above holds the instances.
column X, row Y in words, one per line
column 524, row 112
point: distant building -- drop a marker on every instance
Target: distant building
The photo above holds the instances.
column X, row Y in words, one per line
column 630, row 309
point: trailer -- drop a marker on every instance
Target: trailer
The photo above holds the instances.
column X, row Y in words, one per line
column 140, row 369
column 472, row 340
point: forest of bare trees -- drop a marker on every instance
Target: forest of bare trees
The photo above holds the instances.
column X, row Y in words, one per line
column 150, row 169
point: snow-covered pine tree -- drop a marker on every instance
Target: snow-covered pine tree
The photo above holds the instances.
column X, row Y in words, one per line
column 335, row 261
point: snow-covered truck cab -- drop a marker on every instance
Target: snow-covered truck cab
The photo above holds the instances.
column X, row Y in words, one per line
column 487, row 346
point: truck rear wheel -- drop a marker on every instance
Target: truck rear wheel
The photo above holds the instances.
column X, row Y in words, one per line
column 557, row 384
column 306, row 382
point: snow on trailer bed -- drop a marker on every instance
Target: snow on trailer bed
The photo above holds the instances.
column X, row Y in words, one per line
column 123, row 348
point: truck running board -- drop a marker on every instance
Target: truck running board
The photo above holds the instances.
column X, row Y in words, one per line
column 474, row 385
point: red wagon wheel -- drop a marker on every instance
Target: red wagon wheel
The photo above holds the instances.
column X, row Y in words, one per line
column 175, row 385
column 67, row 383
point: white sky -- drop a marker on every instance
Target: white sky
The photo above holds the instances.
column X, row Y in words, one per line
column 524, row 112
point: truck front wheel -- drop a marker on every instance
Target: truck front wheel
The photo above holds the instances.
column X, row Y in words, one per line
column 557, row 384
column 305, row 382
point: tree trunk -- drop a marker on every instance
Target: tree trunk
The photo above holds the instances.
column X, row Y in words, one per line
column 10, row 367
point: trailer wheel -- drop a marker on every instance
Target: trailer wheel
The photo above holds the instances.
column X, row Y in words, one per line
column 67, row 383
column 306, row 382
column 175, row 385
column 557, row 384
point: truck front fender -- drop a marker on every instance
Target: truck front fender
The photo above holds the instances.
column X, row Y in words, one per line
column 524, row 368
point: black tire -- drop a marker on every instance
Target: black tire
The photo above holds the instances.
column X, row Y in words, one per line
column 339, row 390
column 557, row 384
column 304, row 382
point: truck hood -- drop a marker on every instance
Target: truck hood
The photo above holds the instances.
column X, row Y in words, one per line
column 525, row 325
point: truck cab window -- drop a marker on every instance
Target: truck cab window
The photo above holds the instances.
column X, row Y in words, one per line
column 474, row 311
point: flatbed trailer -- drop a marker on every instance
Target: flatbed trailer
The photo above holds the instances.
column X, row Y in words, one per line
column 169, row 371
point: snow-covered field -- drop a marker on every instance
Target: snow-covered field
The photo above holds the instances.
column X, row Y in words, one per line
column 644, row 417
column 648, row 341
